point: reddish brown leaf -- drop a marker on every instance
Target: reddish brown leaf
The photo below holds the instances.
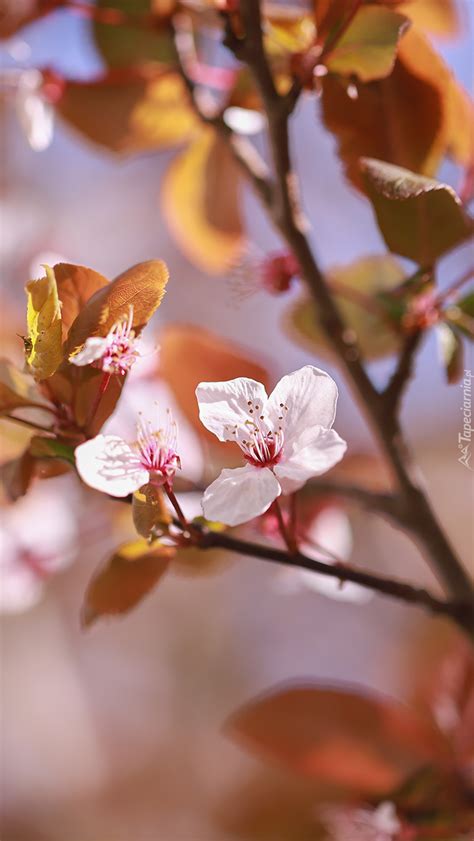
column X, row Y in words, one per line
column 128, row 576
column 406, row 119
column 76, row 284
column 365, row 744
column 130, row 111
column 141, row 287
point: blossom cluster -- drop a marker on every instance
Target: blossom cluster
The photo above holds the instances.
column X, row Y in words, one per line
column 285, row 439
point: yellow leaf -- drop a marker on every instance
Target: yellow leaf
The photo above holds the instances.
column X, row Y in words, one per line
column 44, row 350
column 200, row 203
column 141, row 287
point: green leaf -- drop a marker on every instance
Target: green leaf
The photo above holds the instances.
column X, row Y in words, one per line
column 44, row 344
column 368, row 47
column 358, row 290
column 451, row 351
column 127, row 577
column 418, row 217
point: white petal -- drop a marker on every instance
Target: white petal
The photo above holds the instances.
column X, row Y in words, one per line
column 93, row 349
column 319, row 449
column 309, row 398
column 108, row 464
column 222, row 406
column 239, row 495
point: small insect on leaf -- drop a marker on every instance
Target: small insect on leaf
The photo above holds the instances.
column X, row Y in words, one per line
column 43, row 345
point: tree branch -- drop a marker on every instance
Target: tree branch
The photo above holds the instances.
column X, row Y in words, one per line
column 285, row 211
column 403, row 373
column 462, row 612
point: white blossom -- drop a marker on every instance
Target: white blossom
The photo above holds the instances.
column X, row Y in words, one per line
column 285, row 439
column 117, row 467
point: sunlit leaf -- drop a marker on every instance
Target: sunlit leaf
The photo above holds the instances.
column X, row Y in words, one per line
column 128, row 576
column 141, row 287
column 364, row 744
column 407, row 119
column 149, row 511
column 131, row 113
column 190, row 355
column 44, row 350
column 17, row 389
column 451, row 352
column 76, row 284
column 419, row 218
column 439, row 17
column 356, row 288
column 368, row 47
column 203, row 217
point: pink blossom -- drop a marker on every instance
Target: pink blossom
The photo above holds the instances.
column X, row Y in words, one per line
column 114, row 354
column 116, row 467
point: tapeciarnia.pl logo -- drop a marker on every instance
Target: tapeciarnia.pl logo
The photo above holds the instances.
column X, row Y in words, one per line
column 465, row 437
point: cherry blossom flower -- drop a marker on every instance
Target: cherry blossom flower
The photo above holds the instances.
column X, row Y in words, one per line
column 380, row 824
column 114, row 354
column 285, row 439
column 116, row 467
column 38, row 537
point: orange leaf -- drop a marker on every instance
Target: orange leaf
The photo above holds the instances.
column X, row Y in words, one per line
column 76, row 284
column 406, row 119
column 202, row 216
column 130, row 111
column 363, row 744
column 128, row 576
column 142, row 287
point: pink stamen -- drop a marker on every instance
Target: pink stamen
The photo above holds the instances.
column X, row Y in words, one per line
column 157, row 450
column 121, row 352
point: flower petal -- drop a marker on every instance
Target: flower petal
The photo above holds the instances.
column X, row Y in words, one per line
column 318, row 450
column 304, row 399
column 93, row 349
column 239, row 495
column 108, row 464
column 224, row 405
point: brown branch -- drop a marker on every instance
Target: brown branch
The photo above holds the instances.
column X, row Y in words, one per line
column 284, row 208
column 462, row 612
column 403, row 373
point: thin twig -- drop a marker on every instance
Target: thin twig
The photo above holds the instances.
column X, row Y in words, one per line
column 403, row 372
column 460, row 611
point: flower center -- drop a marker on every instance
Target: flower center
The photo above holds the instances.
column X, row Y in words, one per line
column 157, row 451
column 262, row 449
column 121, row 352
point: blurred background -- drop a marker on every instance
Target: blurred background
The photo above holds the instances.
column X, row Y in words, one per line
column 115, row 733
